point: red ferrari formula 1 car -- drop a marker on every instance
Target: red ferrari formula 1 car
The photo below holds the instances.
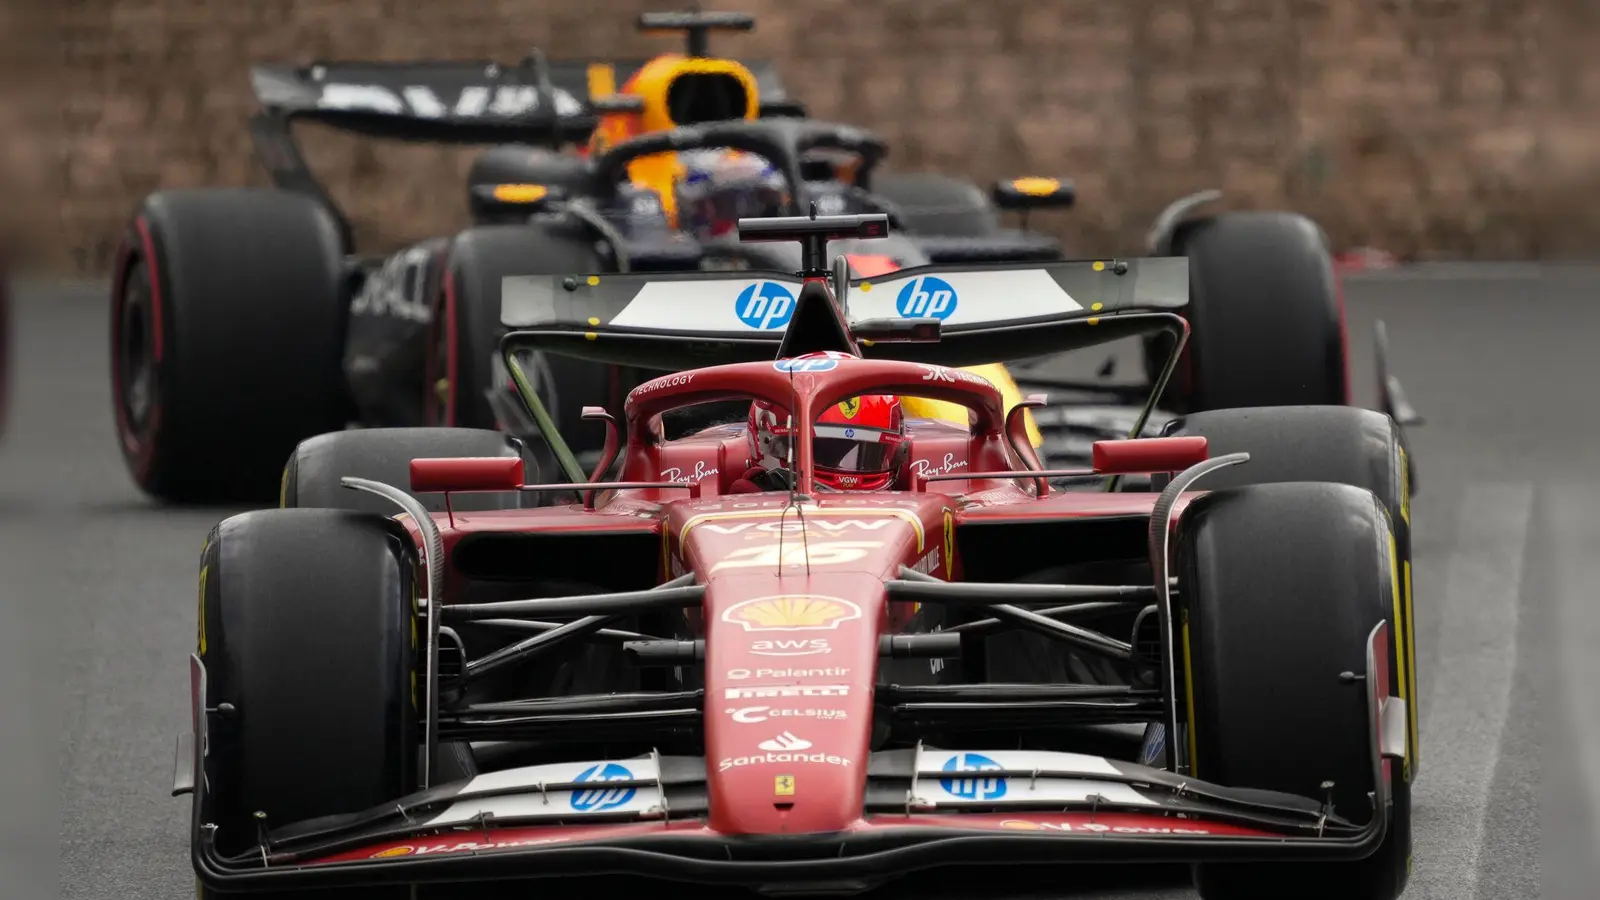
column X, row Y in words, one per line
column 707, row 668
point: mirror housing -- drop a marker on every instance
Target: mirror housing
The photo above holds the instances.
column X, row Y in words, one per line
column 1026, row 194
column 1139, row 456
column 485, row 473
column 511, row 199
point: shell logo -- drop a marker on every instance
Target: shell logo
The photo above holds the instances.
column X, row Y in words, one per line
column 791, row 613
column 1020, row 825
column 393, row 852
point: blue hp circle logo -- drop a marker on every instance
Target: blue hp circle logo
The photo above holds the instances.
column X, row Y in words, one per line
column 926, row 298
column 973, row 788
column 601, row 798
column 765, row 305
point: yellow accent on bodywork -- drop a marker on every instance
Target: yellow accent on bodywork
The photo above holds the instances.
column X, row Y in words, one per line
column 1188, row 691
column 283, row 489
column 204, row 571
column 1399, row 640
column 602, row 80
column 1405, row 488
column 1415, row 749
column 956, row 414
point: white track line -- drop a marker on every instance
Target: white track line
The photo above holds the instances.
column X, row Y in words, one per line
column 1573, row 538
column 1468, row 689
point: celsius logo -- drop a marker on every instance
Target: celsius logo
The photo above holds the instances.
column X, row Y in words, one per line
column 601, row 798
column 973, row 788
column 765, row 305
column 925, row 298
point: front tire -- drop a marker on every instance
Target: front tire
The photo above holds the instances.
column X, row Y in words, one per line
column 1342, row 445
column 307, row 624
column 311, row 479
column 1280, row 587
column 227, row 340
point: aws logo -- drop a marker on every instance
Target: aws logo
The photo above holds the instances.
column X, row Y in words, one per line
column 791, row 613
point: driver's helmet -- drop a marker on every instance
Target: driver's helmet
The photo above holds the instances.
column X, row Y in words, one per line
column 858, row 445
column 717, row 188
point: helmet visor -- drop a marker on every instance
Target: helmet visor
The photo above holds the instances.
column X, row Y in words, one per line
column 852, row 449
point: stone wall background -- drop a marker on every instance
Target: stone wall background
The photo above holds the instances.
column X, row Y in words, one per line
column 1429, row 128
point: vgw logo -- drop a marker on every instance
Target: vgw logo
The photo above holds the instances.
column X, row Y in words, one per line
column 765, row 305
column 926, row 298
column 973, row 788
column 601, row 798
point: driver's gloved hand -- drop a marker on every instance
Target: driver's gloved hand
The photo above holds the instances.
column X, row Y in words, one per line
column 774, row 479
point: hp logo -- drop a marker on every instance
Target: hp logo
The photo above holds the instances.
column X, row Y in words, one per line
column 805, row 365
column 765, row 305
column 600, row 799
column 926, row 298
column 973, row 788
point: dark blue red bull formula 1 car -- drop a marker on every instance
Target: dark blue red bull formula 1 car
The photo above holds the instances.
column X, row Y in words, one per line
column 612, row 167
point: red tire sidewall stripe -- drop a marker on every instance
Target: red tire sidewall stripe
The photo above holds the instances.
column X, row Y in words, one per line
column 139, row 449
column 451, row 352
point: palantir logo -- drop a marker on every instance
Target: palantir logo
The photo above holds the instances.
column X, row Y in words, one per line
column 765, row 305
column 973, row 788
column 600, row 799
column 926, row 298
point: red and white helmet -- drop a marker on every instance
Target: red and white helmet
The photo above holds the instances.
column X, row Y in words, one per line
column 859, row 445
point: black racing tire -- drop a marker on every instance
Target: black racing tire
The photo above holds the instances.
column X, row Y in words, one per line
column 1339, row 444
column 307, row 628
column 1280, row 586
column 1265, row 313
column 938, row 205
column 311, row 479
column 227, row 335
column 468, row 337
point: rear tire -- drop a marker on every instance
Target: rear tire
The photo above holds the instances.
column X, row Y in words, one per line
column 1261, row 673
column 938, row 205
column 312, row 476
column 1266, row 316
column 462, row 368
column 227, row 339
column 307, row 628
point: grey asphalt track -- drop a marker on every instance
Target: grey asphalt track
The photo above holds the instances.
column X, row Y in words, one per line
column 1494, row 357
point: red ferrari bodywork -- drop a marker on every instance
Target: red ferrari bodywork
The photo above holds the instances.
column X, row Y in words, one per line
column 795, row 600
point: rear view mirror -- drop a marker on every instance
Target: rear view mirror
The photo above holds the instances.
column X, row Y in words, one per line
column 489, row 473
column 1024, row 194
column 1141, row 456
column 495, row 200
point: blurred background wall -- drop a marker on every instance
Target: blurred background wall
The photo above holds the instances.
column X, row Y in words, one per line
column 1429, row 128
